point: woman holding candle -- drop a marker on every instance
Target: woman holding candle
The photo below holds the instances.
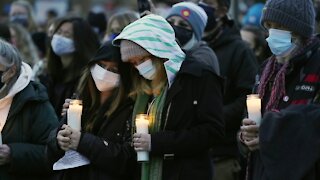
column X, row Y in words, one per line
column 26, row 118
column 285, row 145
column 182, row 97
column 105, row 136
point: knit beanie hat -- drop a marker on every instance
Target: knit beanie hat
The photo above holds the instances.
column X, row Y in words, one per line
column 192, row 13
column 297, row 15
column 130, row 49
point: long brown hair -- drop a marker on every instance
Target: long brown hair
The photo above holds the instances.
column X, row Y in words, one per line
column 25, row 44
column 86, row 43
column 91, row 95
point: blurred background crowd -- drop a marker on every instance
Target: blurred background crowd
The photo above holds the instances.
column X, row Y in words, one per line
column 59, row 39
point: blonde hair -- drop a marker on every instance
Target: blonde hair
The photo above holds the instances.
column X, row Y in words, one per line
column 141, row 85
column 25, row 45
column 32, row 26
column 123, row 18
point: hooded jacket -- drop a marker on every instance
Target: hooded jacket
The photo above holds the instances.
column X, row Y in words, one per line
column 204, row 54
column 29, row 122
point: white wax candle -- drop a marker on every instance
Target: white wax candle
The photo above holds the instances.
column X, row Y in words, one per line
column 142, row 124
column 74, row 114
column 254, row 108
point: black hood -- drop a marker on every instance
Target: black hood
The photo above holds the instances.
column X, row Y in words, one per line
column 230, row 32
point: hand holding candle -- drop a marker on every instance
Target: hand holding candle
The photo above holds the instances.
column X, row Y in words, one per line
column 142, row 124
column 74, row 114
column 254, row 108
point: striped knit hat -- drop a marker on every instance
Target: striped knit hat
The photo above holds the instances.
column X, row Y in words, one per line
column 154, row 34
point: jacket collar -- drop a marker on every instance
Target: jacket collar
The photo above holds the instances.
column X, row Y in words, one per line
column 304, row 55
column 33, row 92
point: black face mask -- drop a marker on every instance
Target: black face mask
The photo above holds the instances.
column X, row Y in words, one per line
column 212, row 22
column 1, row 83
column 20, row 19
column 183, row 35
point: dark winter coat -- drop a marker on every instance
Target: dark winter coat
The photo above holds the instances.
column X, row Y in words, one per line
column 58, row 91
column 203, row 53
column 302, row 82
column 30, row 120
column 108, row 148
column 238, row 66
column 191, row 123
column 289, row 144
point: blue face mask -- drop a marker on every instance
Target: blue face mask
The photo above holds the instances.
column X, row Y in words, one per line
column 147, row 69
column 280, row 42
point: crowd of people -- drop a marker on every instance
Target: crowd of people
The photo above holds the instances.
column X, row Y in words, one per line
column 189, row 70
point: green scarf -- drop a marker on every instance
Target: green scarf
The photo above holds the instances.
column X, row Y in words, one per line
column 151, row 170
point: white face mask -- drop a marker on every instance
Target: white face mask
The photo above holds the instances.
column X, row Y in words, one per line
column 62, row 45
column 105, row 80
column 147, row 69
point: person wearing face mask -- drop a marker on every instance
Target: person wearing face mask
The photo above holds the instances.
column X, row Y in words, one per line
column 26, row 119
column 285, row 145
column 178, row 93
column 188, row 21
column 238, row 66
column 105, row 138
column 21, row 12
column 72, row 45
column 117, row 22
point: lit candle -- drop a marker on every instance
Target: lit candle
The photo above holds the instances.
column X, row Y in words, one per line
column 74, row 114
column 142, row 124
column 254, row 108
